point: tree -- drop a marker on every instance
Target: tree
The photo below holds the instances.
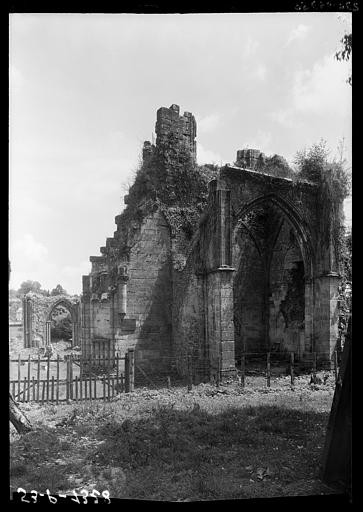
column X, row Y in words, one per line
column 345, row 52
column 275, row 165
column 58, row 290
column 62, row 328
column 13, row 294
column 29, row 286
column 17, row 418
column 311, row 163
column 346, row 268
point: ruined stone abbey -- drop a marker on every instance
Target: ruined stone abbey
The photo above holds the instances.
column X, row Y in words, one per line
column 236, row 260
column 257, row 273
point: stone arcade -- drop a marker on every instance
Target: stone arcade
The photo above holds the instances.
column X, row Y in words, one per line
column 256, row 276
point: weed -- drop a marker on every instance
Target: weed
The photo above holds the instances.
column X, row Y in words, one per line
column 174, row 454
column 17, row 469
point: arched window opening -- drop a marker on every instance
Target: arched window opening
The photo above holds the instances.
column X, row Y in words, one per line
column 61, row 325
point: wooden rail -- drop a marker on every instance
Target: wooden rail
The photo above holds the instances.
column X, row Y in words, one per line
column 50, row 380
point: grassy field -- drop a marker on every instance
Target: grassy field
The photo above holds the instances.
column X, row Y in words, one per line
column 211, row 443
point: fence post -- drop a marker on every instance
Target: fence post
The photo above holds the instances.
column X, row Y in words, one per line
column 218, row 371
column 314, row 363
column 24, row 389
column 80, row 387
column 190, row 377
column 43, row 391
column 292, row 368
column 268, row 373
column 29, row 363
column 76, row 379
column 57, row 390
column 243, row 368
column 336, row 365
column 38, row 377
column 132, row 368
column 127, row 372
column 52, row 390
column 71, row 377
column 19, row 373
column 48, row 365
column 67, row 380
column 117, row 373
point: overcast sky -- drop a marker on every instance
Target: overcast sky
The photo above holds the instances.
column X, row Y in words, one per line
column 84, row 90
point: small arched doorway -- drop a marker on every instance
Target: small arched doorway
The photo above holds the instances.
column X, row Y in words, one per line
column 63, row 304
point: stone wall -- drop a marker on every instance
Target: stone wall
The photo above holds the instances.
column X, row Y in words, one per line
column 149, row 296
column 127, row 303
column 249, row 283
column 187, row 316
column 287, row 295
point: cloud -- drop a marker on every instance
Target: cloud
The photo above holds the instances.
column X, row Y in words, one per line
column 348, row 211
column 29, row 260
column 115, row 137
column 260, row 72
column 83, row 268
column 283, row 117
column 30, row 249
column 72, row 276
column 208, row 124
column 298, row 33
column 206, row 156
column 323, row 89
column 16, row 78
column 261, row 140
column 250, row 47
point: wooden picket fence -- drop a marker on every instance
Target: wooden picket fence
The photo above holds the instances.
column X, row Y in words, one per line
column 75, row 378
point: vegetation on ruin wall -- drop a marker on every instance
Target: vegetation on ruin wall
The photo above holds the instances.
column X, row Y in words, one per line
column 334, row 186
column 275, row 165
column 168, row 180
column 334, row 183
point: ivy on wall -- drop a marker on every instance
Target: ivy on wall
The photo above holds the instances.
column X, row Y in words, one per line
column 293, row 306
column 275, row 165
column 334, row 186
column 168, row 180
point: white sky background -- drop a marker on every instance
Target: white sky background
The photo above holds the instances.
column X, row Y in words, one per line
column 84, row 90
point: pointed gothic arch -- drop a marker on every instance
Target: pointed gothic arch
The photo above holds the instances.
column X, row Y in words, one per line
column 74, row 311
column 285, row 213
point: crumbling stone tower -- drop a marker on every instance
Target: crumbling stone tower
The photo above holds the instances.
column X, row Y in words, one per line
column 183, row 128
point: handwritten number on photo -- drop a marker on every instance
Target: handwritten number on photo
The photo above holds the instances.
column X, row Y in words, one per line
column 21, row 490
column 94, row 494
column 106, row 496
column 52, row 499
